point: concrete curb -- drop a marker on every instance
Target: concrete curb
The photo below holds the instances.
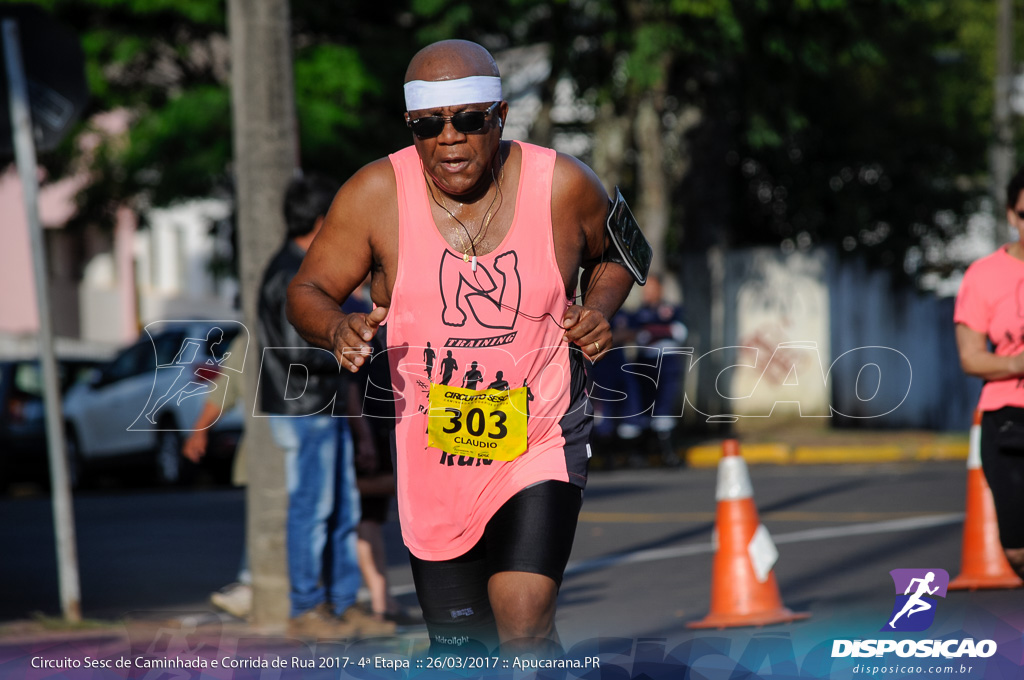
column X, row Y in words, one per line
column 786, row 454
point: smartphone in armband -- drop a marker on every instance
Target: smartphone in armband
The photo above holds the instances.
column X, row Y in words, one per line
column 633, row 250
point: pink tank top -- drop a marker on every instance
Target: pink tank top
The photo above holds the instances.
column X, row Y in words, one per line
column 485, row 329
column 991, row 301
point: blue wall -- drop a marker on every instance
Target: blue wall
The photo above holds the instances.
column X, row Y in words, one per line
column 868, row 308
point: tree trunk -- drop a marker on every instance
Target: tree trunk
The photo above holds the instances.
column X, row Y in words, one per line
column 653, row 207
column 1002, row 156
column 265, row 159
column 611, row 139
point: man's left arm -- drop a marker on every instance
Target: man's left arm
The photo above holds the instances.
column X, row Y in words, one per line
column 580, row 210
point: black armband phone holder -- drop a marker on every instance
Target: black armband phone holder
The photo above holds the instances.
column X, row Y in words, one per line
column 630, row 248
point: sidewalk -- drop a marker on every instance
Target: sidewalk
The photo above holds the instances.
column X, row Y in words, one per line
column 784, row 444
column 820, row 446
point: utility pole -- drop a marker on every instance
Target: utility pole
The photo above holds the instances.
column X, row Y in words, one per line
column 25, row 155
column 266, row 152
column 1003, row 156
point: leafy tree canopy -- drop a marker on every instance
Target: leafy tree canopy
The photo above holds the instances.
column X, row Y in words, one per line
column 845, row 122
column 167, row 63
column 854, row 123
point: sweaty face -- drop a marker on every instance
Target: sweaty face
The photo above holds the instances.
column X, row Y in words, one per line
column 460, row 162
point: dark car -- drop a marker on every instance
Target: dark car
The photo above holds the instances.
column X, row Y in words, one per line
column 23, row 453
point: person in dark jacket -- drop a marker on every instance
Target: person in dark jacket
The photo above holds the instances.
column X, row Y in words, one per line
column 303, row 387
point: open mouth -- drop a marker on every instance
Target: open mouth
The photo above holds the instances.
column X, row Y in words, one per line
column 454, row 164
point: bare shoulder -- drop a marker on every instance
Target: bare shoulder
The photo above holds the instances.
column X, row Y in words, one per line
column 361, row 223
column 579, row 206
column 370, row 186
column 366, row 203
column 576, row 184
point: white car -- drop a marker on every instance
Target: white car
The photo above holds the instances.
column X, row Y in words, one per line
column 141, row 405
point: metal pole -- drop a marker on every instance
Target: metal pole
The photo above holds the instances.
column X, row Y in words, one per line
column 25, row 154
column 1003, row 156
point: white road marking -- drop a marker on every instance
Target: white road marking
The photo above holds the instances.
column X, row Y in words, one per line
column 824, row 533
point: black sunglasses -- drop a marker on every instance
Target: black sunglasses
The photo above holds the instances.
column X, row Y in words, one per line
column 1020, row 213
column 429, row 127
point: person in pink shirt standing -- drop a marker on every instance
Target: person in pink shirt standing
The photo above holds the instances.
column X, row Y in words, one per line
column 989, row 318
column 475, row 247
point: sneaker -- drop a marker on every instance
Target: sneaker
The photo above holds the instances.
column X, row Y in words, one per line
column 367, row 624
column 235, row 599
column 318, row 623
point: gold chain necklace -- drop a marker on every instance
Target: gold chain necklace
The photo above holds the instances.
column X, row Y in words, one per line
column 482, row 231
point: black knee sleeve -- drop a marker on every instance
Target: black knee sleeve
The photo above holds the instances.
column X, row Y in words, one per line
column 453, row 596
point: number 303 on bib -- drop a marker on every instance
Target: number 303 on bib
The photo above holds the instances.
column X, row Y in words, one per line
column 488, row 424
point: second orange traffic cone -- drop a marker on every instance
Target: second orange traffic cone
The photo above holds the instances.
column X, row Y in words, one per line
column 743, row 587
column 982, row 563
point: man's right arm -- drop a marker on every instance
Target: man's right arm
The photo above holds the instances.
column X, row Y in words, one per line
column 356, row 236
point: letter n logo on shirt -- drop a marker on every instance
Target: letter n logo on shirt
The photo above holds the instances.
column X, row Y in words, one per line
column 493, row 304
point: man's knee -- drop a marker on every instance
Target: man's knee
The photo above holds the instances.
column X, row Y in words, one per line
column 523, row 604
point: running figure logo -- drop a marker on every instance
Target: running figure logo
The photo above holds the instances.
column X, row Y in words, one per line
column 180, row 385
column 186, row 384
column 914, row 609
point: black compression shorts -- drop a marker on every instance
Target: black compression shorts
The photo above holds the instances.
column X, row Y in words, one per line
column 532, row 532
column 1004, row 472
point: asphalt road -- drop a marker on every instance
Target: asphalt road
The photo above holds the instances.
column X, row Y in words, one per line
column 838, row 530
column 640, row 570
column 641, row 563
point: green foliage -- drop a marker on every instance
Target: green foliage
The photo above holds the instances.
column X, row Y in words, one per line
column 154, row 59
column 850, row 122
column 165, row 62
column 332, row 87
column 761, row 134
column 824, row 121
column 851, row 127
column 209, row 12
column 446, row 19
column 193, row 133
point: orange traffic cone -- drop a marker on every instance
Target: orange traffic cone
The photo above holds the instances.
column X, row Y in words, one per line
column 982, row 562
column 743, row 587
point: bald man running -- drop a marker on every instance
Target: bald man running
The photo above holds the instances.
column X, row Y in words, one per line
column 475, row 245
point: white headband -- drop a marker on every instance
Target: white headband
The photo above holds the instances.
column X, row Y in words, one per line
column 435, row 94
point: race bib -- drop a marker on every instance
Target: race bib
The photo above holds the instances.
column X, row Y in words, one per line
column 487, row 424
